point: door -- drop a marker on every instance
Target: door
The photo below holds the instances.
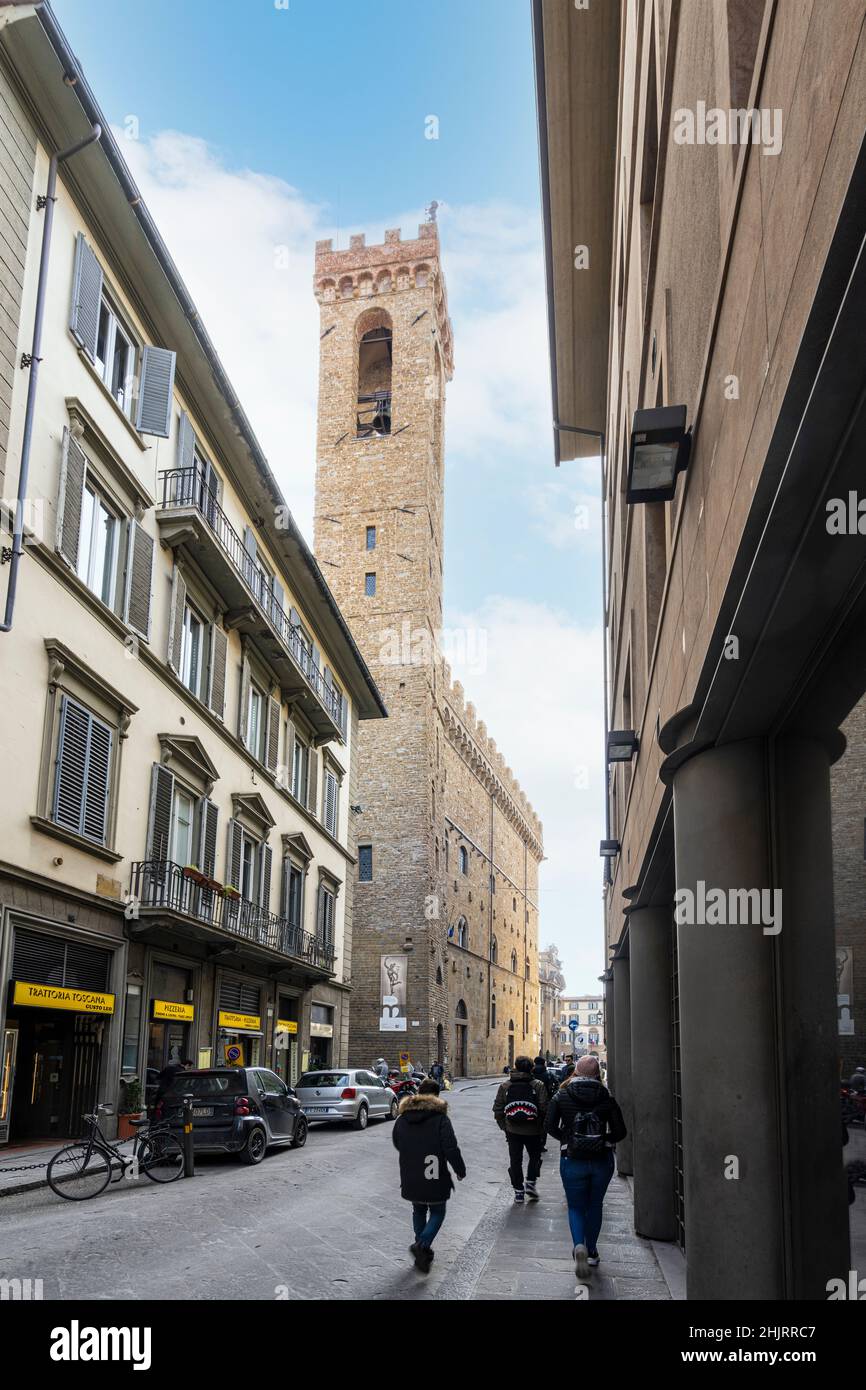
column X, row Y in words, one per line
column 7, row 1080
column 380, row 1099
column 460, row 1058
column 277, row 1104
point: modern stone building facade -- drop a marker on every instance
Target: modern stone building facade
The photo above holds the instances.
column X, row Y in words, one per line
column 703, row 223
column 181, row 696
column 446, row 904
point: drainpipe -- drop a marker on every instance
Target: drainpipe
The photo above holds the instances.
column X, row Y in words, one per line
column 32, row 361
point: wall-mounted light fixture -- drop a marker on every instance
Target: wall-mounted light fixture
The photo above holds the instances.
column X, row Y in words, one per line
column 659, row 450
column 622, row 745
column 609, row 849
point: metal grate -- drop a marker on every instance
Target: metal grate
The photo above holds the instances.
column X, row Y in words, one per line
column 47, row 960
column 677, row 1118
column 237, row 997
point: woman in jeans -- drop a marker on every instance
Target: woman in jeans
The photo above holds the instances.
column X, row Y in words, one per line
column 586, row 1120
column 424, row 1138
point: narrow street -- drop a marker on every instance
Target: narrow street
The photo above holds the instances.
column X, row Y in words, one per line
column 326, row 1221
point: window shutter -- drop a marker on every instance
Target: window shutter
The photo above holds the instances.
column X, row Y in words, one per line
column 86, row 296
column 83, row 771
column 267, row 856
column 155, row 392
column 312, row 780
column 278, row 610
column 209, row 817
column 139, row 576
column 272, row 752
column 284, row 888
column 175, row 618
column 70, row 499
column 233, row 855
column 185, row 448
column 250, row 552
column 243, row 706
column 159, row 823
column 217, row 676
column 290, row 753
column 331, row 802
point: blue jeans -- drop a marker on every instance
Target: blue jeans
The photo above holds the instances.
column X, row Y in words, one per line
column 585, row 1181
column 426, row 1226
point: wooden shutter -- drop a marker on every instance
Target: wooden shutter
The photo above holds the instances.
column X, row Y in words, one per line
column 155, row 392
column 159, row 822
column 243, row 705
column 249, row 557
column 330, row 802
column 185, row 457
column 86, row 296
column 217, row 675
column 312, row 779
column 175, row 618
column 139, row 578
column 267, row 856
column 70, row 498
column 272, row 751
column 290, row 753
column 208, row 820
column 278, row 607
column 83, row 776
column 233, row 854
column 284, row 888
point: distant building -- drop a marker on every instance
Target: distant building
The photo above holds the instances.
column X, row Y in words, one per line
column 551, row 983
column 587, row 1012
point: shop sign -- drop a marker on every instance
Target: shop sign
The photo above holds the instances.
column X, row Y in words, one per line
column 167, row 1008
column 241, row 1023
column 286, row 1025
column 80, row 1001
column 321, row 1030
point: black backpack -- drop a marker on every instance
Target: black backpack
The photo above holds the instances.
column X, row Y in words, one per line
column 521, row 1104
column 588, row 1129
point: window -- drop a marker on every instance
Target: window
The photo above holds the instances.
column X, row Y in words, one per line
column 445, row 843
column 493, row 1011
column 295, row 895
column 98, row 545
column 375, row 352
column 494, row 950
column 463, row 934
column 192, row 649
column 464, row 860
column 257, row 722
column 116, row 355
column 325, row 921
column 371, row 538
column 369, row 585
column 526, row 970
column 365, row 863
column 331, row 801
column 514, row 961
column 182, row 822
column 131, row 1030
column 81, row 787
column 300, row 761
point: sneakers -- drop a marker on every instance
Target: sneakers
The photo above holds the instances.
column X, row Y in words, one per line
column 518, row 1196
column 592, row 1258
column 581, row 1262
column 529, row 1189
column 424, row 1259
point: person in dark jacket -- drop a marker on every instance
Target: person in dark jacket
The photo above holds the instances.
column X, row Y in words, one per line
column 519, row 1109
column 425, row 1140
column 586, row 1120
column 540, row 1072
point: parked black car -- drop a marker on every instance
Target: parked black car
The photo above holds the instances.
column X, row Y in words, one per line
column 237, row 1110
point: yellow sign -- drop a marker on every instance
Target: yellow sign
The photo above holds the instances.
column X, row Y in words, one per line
column 242, row 1023
column 80, row 1001
column 405, row 1063
column 286, row 1025
column 204, row 1056
column 234, row 1054
column 167, row 1008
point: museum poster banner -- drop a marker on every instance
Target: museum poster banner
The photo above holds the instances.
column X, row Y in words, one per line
column 393, row 970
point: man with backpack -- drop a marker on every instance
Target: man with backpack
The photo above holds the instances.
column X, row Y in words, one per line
column 519, row 1108
column 588, row 1123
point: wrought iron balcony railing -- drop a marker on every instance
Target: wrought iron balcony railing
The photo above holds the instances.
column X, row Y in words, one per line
column 187, row 487
column 159, row 883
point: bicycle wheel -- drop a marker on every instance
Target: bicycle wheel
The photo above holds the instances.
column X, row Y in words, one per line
column 79, row 1172
column 160, row 1156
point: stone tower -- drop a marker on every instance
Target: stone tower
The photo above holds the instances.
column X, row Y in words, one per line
column 385, row 356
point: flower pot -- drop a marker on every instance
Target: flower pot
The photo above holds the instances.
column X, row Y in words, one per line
column 125, row 1127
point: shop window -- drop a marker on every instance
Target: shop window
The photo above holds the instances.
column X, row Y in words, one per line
column 131, row 1031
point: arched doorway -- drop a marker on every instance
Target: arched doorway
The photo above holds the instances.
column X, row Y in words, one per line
column 461, row 1028
column 511, row 1043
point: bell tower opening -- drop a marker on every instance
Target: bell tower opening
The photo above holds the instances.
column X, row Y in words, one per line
column 375, row 358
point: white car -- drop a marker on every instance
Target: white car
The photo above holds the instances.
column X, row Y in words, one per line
column 348, row 1095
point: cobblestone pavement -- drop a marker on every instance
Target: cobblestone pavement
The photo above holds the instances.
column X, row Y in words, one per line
column 323, row 1222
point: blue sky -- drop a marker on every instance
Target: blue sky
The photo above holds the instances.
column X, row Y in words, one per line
column 250, row 128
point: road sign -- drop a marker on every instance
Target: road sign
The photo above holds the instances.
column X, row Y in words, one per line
column 572, row 1023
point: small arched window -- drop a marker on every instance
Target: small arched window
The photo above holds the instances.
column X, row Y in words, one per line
column 526, row 969
column 493, row 1011
column 375, row 353
column 514, row 961
column 464, row 860
column 461, row 1009
column 346, row 287
column 438, row 974
column 462, row 933
column 494, row 950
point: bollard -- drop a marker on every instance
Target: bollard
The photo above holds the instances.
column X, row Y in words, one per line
column 188, row 1143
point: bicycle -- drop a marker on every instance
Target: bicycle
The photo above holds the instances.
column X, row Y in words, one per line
column 91, row 1163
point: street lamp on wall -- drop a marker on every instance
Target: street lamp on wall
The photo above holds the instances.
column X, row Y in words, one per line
column 659, row 449
column 609, row 849
column 622, row 745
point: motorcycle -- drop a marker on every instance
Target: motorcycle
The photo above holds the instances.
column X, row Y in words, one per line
column 402, row 1085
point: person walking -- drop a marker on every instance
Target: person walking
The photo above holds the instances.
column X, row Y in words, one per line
column 541, row 1073
column 586, row 1120
column 519, row 1109
column 424, row 1137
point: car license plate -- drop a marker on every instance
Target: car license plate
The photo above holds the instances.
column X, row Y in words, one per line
column 201, row 1111
column 316, row 1109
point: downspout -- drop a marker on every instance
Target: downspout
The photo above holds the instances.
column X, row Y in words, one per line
column 32, row 360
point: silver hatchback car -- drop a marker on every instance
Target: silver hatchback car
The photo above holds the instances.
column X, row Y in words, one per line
column 345, row 1094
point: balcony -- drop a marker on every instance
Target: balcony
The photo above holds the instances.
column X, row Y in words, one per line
column 160, row 887
column 189, row 514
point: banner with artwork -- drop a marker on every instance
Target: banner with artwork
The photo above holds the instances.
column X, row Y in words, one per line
column 393, row 970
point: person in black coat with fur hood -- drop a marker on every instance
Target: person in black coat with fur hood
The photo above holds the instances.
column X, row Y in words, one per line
column 588, row 1123
column 425, row 1140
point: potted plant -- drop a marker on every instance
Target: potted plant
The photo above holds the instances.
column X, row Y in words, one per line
column 130, row 1106
column 230, row 892
column 193, row 872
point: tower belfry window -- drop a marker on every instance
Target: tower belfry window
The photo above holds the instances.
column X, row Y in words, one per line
column 375, row 354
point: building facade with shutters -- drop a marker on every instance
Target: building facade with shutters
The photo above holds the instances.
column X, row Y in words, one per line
column 445, row 959
column 181, row 694
column 586, row 1012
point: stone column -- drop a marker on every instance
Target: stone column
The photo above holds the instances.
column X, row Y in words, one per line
column 622, row 1044
column 609, row 1041
column 761, row 1130
column 649, row 936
